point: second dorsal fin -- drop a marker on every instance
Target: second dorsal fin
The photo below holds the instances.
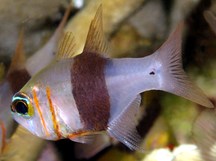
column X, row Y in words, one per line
column 95, row 41
column 67, row 47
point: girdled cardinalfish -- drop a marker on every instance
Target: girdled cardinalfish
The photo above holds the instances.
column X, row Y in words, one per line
column 78, row 97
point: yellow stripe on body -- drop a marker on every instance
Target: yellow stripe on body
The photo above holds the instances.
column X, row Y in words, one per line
column 36, row 101
column 53, row 113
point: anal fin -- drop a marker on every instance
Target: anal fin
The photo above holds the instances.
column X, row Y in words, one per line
column 123, row 128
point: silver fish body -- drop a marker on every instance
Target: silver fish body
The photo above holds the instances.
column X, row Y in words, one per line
column 78, row 97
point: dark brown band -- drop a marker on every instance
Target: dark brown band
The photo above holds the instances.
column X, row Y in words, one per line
column 18, row 79
column 90, row 91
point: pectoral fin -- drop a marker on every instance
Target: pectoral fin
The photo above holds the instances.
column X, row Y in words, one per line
column 83, row 139
column 83, row 136
column 123, row 128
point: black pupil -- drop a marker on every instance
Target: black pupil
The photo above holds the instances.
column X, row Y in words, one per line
column 21, row 108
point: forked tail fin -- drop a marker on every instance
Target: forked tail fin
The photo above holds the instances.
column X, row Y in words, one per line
column 175, row 79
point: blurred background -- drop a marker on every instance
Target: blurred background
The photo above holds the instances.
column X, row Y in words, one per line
column 134, row 28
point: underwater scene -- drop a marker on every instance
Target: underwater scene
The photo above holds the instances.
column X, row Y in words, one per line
column 99, row 80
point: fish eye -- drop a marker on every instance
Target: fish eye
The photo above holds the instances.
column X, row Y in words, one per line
column 21, row 104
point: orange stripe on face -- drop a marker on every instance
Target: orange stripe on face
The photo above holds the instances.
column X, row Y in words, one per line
column 3, row 129
column 35, row 98
column 54, row 120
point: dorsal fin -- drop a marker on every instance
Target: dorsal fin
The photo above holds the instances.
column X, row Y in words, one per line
column 95, row 41
column 18, row 59
column 67, row 47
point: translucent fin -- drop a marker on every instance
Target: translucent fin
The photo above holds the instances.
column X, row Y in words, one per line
column 123, row 127
column 211, row 20
column 86, row 151
column 83, row 136
column 83, row 139
column 59, row 30
column 67, row 47
column 174, row 78
column 18, row 59
column 46, row 54
column 95, row 41
column 204, row 133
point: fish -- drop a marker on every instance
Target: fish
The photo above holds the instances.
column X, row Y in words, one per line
column 210, row 19
column 79, row 97
column 20, row 71
column 45, row 55
column 8, row 87
column 203, row 133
